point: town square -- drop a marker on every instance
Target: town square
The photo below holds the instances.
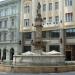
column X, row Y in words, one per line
column 37, row 37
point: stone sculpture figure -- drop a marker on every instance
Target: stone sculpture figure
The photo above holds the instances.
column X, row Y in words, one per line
column 39, row 8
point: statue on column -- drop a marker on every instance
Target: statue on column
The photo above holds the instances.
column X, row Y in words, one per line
column 38, row 8
column 38, row 43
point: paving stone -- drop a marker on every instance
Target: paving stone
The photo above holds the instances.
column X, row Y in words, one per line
column 66, row 73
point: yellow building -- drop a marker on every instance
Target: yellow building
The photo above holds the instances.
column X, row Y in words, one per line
column 58, row 25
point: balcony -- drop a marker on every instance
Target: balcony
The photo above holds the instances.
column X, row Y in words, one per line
column 8, row 42
column 3, row 29
column 70, row 40
column 12, row 28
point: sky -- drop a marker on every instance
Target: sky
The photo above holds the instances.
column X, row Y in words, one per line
column 1, row 0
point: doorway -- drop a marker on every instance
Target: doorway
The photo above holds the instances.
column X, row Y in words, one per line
column 0, row 54
column 68, row 55
column 4, row 54
column 70, row 52
column 11, row 53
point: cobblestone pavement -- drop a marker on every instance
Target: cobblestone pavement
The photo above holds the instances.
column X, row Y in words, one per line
column 67, row 73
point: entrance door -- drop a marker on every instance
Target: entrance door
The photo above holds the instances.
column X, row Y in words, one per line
column 11, row 53
column 73, row 52
column 4, row 54
column 0, row 54
column 68, row 55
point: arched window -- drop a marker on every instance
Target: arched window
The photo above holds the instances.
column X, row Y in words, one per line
column 0, row 54
column 11, row 53
column 4, row 54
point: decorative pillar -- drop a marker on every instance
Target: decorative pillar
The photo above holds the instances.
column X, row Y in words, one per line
column 61, row 22
column 53, row 13
column 34, row 8
column 47, row 7
column 37, row 41
column 47, row 42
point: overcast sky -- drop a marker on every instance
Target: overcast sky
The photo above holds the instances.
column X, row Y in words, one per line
column 1, row 0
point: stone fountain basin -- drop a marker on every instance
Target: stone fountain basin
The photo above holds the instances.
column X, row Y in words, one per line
column 32, row 59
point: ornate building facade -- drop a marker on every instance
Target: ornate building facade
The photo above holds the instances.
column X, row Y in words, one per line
column 58, row 25
column 9, row 29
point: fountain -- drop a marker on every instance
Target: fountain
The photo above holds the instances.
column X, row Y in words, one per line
column 38, row 57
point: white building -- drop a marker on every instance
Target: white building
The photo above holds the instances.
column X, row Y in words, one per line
column 58, row 25
column 9, row 28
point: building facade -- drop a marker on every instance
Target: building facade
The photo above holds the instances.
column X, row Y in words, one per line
column 58, row 25
column 9, row 29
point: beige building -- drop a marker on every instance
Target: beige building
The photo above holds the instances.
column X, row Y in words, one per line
column 58, row 25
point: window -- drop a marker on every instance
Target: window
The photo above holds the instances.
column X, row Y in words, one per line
column 12, row 36
column 44, row 34
column 44, row 7
column 28, row 35
column 26, row 48
column 56, row 5
column 68, row 2
column 1, row 12
column 0, row 24
column 26, row 9
column 69, row 17
column 50, row 6
column 5, row 24
column 6, row 12
column 70, row 32
column 26, row 22
column 44, row 20
column 54, row 47
column 13, row 9
column 56, row 19
column 49, row 34
column 12, row 22
column 5, row 36
column 50, row 20
column 55, row 34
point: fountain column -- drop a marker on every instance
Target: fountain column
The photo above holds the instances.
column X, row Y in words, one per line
column 62, row 35
column 37, row 41
column 34, row 8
